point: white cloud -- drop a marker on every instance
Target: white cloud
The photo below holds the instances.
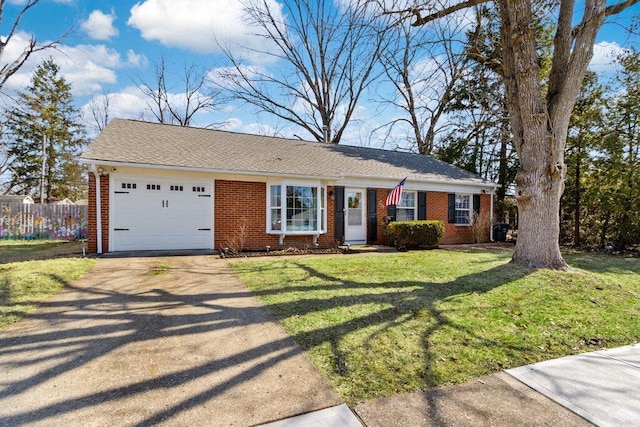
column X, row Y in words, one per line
column 129, row 103
column 233, row 124
column 136, row 60
column 86, row 67
column 132, row 103
column 197, row 25
column 604, row 55
column 99, row 25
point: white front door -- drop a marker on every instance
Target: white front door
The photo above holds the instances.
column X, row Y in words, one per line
column 355, row 225
column 160, row 214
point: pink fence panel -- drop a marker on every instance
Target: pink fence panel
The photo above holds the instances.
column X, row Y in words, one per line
column 41, row 221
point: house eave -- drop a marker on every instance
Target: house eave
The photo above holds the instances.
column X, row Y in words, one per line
column 390, row 181
column 394, row 180
column 112, row 163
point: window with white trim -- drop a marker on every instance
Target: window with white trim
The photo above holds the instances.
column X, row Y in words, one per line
column 275, row 207
column 463, row 209
column 406, row 210
column 296, row 209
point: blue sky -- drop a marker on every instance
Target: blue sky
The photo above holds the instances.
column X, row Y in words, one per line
column 113, row 44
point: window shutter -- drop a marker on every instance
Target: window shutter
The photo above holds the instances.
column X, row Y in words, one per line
column 476, row 204
column 372, row 215
column 338, row 234
column 422, row 205
column 452, row 208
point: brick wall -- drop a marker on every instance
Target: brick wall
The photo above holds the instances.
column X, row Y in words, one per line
column 104, row 202
column 239, row 203
column 92, row 243
column 241, row 216
column 328, row 240
column 437, row 209
column 381, row 211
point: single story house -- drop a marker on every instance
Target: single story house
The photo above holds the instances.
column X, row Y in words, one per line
column 159, row 187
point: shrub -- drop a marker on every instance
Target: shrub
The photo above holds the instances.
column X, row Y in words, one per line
column 415, row 234
column 480, row 225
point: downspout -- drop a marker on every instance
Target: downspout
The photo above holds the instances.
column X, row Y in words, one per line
column 491, row 215
column 95, row 172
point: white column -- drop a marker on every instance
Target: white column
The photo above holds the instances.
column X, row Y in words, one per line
column 491, row 215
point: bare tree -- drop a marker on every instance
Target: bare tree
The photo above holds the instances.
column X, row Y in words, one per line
column 540, row 116
column 326, row 56
column 423, row 65
column 193, row 95
column 10, row 68
column 100, row 108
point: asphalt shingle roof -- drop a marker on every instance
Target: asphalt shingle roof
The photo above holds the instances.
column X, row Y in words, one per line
column 143, row 143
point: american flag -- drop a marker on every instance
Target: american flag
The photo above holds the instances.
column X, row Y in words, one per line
column 396, row 194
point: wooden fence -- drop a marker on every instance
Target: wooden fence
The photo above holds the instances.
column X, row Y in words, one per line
column 41, row 221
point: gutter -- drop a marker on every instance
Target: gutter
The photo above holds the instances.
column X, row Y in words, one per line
column 492, row 193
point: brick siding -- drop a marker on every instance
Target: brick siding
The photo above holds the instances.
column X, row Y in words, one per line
column 92, row 240
column 241, row 219
column 240, row 215
column 437, row 209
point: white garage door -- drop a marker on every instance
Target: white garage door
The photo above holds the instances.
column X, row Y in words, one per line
column 150, row 214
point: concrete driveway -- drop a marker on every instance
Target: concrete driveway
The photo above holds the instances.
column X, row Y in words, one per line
column 141, row 341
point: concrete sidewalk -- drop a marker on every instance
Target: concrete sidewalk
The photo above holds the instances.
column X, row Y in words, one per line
column 147, row 341
column 601, row 386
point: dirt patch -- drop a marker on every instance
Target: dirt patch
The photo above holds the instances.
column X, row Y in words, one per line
column 30, row 251
column 281, row 252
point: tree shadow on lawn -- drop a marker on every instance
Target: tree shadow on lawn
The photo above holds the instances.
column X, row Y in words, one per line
column 603, row 263
column 401, row 302
column 72, row 335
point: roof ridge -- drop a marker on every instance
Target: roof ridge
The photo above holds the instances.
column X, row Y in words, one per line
column 142, row 142
column 282, row 138
column 215, row 130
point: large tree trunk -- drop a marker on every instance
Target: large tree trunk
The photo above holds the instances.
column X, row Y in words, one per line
column 540, row 123
column 539, row 183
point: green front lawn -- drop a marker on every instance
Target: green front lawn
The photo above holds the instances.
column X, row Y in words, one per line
column 32, row 271
column 377, row 325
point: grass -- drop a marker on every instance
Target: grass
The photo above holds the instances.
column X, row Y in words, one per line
column 32, row 271
column 160, row 269
column 379, row 325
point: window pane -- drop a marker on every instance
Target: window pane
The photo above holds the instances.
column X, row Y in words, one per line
column 353, row 200
column 354, row 216
column 462, row 202
column 408, row 200
column 275, row 196
column 302, row 212
column 404, row 214
column 462, row 217
column 276, row 219
column 463, row 209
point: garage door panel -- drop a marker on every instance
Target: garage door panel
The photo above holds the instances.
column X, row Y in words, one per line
column 160, row 214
